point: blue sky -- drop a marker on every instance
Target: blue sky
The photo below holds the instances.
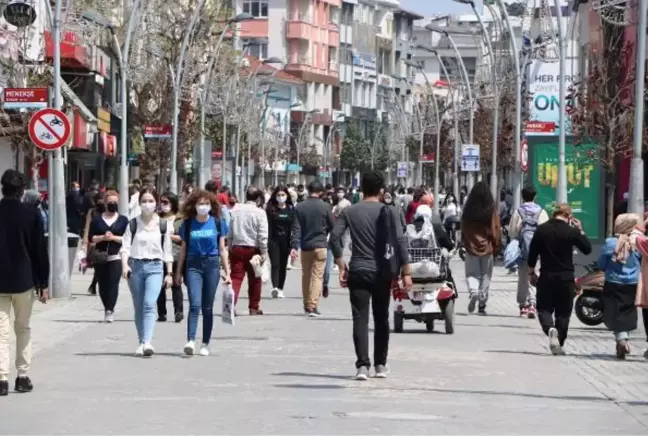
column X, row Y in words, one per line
column 429, row 7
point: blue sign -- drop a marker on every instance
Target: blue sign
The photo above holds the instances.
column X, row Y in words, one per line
column 293, row 168
column 364, row 60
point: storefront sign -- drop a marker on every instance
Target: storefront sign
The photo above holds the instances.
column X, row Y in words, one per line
column 25, row 98
column 584, row 178
column 157, row 132
column 103, row 120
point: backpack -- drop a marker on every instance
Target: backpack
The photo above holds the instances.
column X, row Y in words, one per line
column 388, row 253
column 527, row 229
column 163, row 229
column 187, row 229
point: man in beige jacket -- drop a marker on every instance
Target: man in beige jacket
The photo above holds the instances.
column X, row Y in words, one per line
column 523, row 225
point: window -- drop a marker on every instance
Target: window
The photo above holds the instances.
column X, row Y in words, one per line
column 259, row 50
column 256, row 8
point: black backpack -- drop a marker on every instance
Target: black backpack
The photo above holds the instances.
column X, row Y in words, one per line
column 163, row 229
column 387, row 249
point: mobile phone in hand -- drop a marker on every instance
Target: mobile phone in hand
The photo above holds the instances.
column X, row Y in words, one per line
column 129, row 274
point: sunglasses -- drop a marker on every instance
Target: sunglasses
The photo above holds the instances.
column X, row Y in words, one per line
column 165, row 202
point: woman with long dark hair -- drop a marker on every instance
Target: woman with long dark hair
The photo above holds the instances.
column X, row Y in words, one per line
column 281, row 212
column 169, row 211
column 480, row 234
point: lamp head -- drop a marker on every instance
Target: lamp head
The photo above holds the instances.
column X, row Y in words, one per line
column 465, row 2
column 241, row 17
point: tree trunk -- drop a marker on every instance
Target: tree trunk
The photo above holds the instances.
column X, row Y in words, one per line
column 609, row 207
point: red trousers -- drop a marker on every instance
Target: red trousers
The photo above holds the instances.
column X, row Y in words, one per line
column 240, row 260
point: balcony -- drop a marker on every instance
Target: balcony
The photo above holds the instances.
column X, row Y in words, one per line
column 333, row 37
column 333, row 67
column 299, row 30
column 299, row 63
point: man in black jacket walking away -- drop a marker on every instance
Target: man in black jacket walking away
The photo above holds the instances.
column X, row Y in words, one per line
column 311, row 226
column 554, row 243
column 24, row 269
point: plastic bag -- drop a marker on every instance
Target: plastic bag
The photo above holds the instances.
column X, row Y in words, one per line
column 257, row 265
column 512, row 254
column 265, row 271
column 227, row 311
column 81, row 259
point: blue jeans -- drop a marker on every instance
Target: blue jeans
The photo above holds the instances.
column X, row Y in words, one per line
column 145, row 284
column 328, row 267
column 203, row 274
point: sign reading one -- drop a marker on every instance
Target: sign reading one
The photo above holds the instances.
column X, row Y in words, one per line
column 157, row 132
column 49, row 129
column 470, row 158
column 25, row 98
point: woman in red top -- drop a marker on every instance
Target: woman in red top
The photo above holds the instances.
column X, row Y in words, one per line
column 414, row 204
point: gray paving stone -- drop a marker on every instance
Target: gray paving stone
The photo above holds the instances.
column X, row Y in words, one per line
column 285, row 374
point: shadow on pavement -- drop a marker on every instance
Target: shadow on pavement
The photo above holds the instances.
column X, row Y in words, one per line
column 525, row 352
column 131, row 355
column 445, row 391
column 243, row 338
column 90, row 321
column 313, row 375
column 305, row 386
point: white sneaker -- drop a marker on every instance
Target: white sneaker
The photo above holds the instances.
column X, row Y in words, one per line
column 148, row 350
column 139, row 351
column 109, row 316
column 189, row 348
column 554, row 344
column 277, row 294
column 204, row 350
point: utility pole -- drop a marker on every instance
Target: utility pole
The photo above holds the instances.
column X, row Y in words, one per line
column 636, row 194
column 561, row 189
column 60, row 268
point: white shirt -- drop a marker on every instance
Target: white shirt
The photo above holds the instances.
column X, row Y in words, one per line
column 134, row 209
column 249, row 227
column 451, row 210
column 147, row 243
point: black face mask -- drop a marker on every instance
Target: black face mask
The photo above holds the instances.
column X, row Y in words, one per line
column 101, row 207
column 111, row 207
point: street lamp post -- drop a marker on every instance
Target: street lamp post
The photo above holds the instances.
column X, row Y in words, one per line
column 517, row 178
column 437, row 151
column 455, row 165
column 327, row 145
column 179, row 70
column 446, row 32
column 561, row 189
column 421, row 122
column 491, row 59
column 300, row 137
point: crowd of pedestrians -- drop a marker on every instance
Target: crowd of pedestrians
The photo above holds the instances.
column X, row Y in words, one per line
column 205, row 237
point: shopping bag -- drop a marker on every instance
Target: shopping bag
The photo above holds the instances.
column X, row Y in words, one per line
column 81, row 259
column 265, row 271
column 512, row 254
column 227, row 312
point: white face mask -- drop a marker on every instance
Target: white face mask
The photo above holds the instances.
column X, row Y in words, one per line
column 203, row 209
column 354, row 191
column 166, row 208
column 281, row 198
column 388, row 200
column 340, row 195
column 147, row 208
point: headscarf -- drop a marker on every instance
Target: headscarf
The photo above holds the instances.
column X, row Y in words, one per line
column 623, row 227
column 223, row 198
column 427, row 199
column 32, row 197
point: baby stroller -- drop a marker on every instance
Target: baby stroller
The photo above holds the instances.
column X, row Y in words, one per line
column 433, row 292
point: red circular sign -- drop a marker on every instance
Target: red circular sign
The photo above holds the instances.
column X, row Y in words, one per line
column 49, row 129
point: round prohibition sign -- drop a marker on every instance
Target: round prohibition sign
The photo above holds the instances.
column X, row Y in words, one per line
column 49, row 129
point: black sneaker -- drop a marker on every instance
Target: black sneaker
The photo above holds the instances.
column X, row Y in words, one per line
column 23, row 384
column 325, row 291
column 4, row 388
column 482, row 310
column 162, row 318
column 313, row 313
column 179, row 317
column 92, row 291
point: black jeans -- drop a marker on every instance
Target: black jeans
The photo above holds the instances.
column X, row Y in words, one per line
column 644, row 315
column 362, row 288
column 93, row 284
column 279, row 250
column 555, row 299
column 108, row 276
column 176, row 296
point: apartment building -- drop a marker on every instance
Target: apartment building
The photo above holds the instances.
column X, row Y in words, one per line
column 305, row 35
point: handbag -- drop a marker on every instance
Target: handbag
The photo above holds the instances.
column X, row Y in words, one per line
column 96, row 257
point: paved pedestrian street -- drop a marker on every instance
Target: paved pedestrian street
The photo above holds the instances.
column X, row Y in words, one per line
column 286, row 374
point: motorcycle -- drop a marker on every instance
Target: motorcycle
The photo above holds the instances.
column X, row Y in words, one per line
column 589, row 295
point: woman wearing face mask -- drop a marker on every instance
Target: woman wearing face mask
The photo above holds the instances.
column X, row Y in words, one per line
column 202, row 253
column 388, row 199
column 280, row 213
column 106, row 231
column 169, row 211
column 146, row 247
